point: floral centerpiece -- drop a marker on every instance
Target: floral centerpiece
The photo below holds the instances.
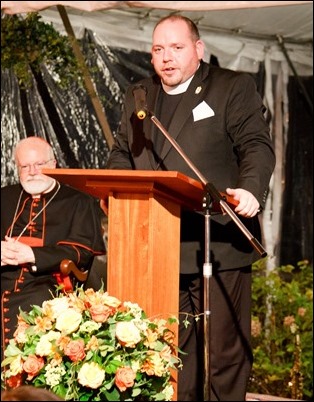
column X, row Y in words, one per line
column 88, row 345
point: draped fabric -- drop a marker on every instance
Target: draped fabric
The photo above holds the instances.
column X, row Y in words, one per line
column 297, row 209
column 66, row 119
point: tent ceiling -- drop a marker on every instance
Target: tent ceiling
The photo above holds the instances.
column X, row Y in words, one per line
column 231, row 30
column 293, row 20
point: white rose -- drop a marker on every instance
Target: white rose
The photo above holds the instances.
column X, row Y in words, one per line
column 68, row 321
column 45, row 345
column 91, row 375
column 128, row 333
column 111, row 300
column 55, row 307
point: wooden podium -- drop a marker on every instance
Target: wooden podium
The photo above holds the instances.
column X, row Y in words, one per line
column 143, row 231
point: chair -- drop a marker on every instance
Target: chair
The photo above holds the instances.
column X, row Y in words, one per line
column 70, row 275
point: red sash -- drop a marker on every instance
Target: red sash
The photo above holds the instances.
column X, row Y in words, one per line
column 31, row 241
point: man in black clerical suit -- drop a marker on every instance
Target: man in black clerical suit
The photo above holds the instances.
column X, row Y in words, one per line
column 217, row 117
column 42, row 223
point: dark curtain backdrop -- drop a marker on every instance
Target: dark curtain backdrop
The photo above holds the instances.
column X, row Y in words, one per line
column 66, row 117
column 297, row 209
column 67, row 120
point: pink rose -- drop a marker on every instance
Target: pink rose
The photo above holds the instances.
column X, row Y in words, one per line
column 124, row 378
column 100, row 313
column 32, row 366
column 75, row 350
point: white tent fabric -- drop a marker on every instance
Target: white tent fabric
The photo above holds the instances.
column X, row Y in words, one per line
column 27, row 6
column 241, row 34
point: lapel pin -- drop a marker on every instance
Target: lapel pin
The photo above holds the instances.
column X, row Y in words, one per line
column 198, row 90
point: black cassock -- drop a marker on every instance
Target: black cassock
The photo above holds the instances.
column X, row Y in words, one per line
column 68, row 226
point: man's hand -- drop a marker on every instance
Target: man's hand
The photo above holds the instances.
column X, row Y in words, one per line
column 248, row 205
column 15, row 253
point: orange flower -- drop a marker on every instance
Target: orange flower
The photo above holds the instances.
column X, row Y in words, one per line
column 168, row 336
column 57, row 360
column 166, row 353
column 153, row 365
column 63, row 341
column 43, row 324
column 93, row 343
column 15, row 381
column 151, row 338
column 19, row 334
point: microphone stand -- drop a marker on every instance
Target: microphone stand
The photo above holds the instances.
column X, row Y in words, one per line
column 211, row 194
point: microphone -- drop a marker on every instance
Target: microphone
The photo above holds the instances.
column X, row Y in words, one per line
column 139, row 93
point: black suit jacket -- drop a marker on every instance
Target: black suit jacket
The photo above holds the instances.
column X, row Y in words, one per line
column 231, row 147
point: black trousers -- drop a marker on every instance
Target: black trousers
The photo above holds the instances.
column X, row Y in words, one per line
column 230, row 330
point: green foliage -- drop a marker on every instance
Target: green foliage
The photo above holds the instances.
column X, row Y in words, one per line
column 282, row 330
column 27, row 43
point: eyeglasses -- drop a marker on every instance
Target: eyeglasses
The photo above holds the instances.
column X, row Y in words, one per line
column 37, row 166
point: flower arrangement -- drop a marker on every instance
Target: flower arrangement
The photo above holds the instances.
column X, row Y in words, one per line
column 88, row 345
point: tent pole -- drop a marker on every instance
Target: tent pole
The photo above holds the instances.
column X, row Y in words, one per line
column 87, row 79
column 303, row 90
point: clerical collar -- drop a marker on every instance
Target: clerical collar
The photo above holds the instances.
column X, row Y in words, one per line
column 179, row 89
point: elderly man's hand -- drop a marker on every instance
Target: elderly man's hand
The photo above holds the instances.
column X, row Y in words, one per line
column 15, row 253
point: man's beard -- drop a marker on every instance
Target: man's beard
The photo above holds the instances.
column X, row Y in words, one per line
column 36, row 186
